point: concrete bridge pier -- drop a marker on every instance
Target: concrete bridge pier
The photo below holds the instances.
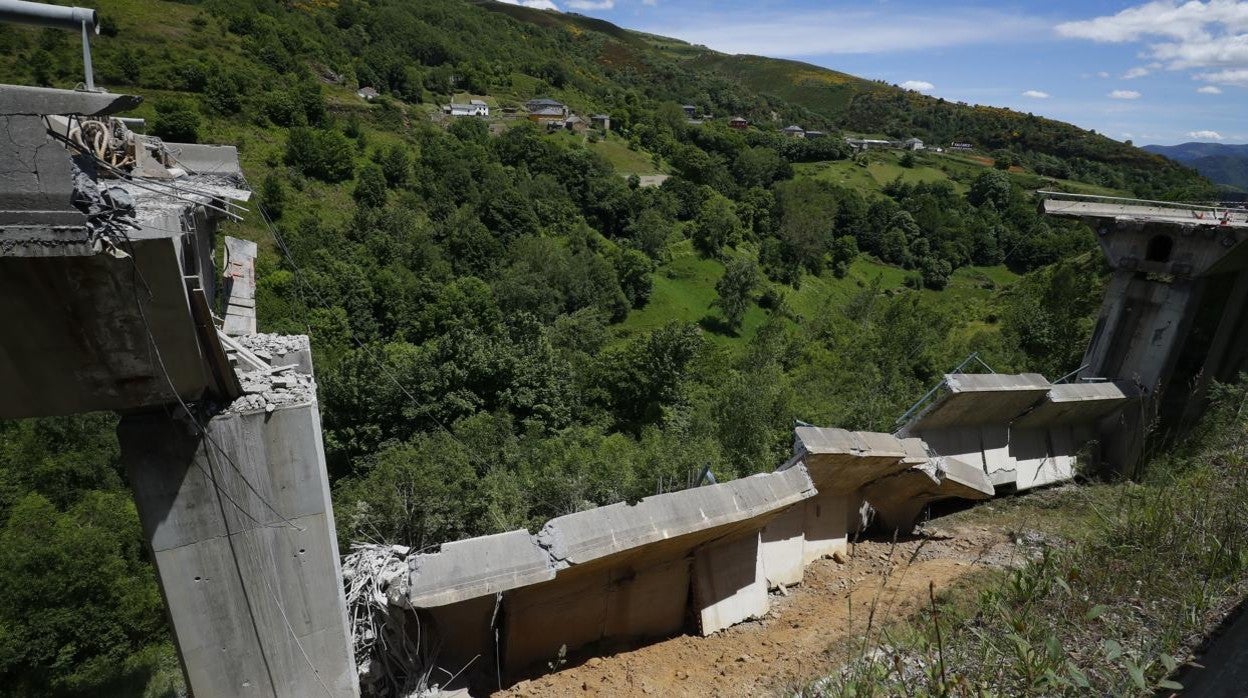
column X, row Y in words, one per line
column 241, row 529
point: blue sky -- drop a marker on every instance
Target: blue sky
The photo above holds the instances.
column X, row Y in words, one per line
column 1152, row 72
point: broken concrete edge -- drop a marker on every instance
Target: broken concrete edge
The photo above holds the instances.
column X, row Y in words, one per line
column 477, row 567
column 485, row 565
column 596, row 533
column 43, row 101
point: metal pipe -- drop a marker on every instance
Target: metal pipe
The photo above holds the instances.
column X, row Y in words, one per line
column 86, row 58
column 55, row 16
column 82, row 19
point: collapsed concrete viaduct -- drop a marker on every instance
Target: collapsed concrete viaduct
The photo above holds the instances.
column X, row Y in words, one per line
column 1174, row 314
column 106, row 265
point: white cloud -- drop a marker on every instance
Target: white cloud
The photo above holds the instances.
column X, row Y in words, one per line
column 1184, row 22
column 1036, row 94
column 1209, row 90
column 1102, row 74
column 1205, row 135
column 1189, row 35
column 535, row 4
column 1232, row 76
column 1135, row 73
column 591, row 4
column 918, row 85
column 823, row 32
column 1124, row 94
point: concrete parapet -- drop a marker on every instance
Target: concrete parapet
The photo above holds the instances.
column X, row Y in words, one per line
column 241, row 529
column 477, row 567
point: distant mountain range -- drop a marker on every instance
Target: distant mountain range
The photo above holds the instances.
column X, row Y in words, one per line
column 1223, row 163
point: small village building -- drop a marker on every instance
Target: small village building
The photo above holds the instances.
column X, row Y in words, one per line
column 811, row 135
column 912, row 144
column 691, row 111
column 548, row 115
column 601, row 121
column 869, row 143
column 474, row 107
column 576, row 124
column 794, row 131
column 738, row 122
column 367, row 94
column 547, row 105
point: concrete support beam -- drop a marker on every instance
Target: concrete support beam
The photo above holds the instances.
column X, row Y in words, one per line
column 782, row 544
column 729, row 583
column 825, row 524
column 241, row 529
column 644, row 597
column 971, row 416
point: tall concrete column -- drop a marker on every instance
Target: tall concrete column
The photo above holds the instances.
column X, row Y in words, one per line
column 241, row 528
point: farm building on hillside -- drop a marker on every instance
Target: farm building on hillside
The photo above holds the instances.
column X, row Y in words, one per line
column 545, row 105
column 548, row 115
column 601, row 121
column 738, row 122
column 794, row 131
column 912, row 144
column 474, row 107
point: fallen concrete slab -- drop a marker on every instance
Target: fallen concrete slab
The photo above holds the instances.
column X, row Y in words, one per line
column 1078, row 403
column 975, row 399
column 1045, row 440
column 899, row 499
column 842, row 461
column 622, row 571
column 586, row 536
column 477, row 567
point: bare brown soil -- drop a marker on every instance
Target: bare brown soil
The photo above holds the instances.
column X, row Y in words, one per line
column 804, row 635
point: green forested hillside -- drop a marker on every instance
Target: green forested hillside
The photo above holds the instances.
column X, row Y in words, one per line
column 507, row 328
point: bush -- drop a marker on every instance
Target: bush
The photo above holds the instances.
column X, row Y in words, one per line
column 176, row 121
column 325, row 154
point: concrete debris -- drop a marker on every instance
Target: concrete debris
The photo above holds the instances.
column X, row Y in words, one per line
column 280, row 350
column 269, row 391
column 389, row 656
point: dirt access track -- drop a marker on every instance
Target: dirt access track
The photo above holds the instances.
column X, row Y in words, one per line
column 803, row 636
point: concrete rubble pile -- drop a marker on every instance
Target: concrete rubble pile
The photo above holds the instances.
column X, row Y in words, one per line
column 388, row 656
